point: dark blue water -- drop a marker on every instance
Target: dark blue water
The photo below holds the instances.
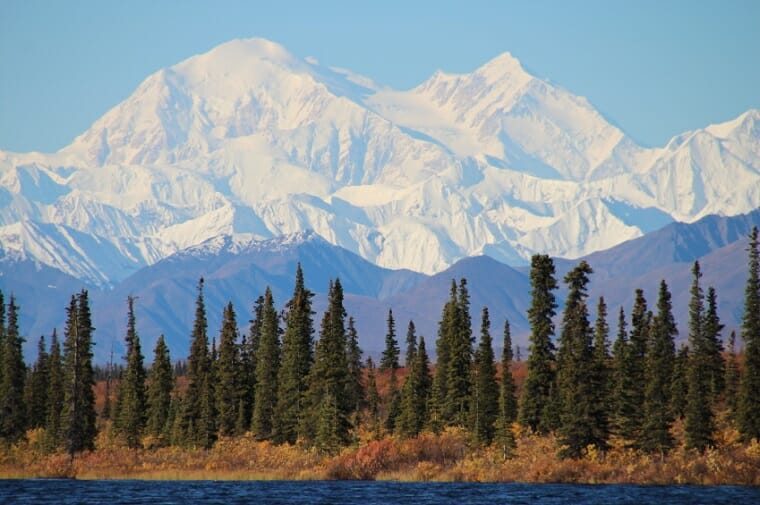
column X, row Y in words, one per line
column 71, row 492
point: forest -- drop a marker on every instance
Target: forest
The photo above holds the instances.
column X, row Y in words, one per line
column 285, row 399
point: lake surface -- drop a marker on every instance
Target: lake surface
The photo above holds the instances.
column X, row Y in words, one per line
column 71, row 492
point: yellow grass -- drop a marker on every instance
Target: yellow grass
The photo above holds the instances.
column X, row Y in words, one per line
column 430, row 457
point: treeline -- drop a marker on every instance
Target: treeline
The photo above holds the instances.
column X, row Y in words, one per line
column 277, row 382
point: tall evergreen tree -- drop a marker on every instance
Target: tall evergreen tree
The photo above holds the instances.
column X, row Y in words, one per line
column 267, row 368
column 446, row 325
column 416, row 393
column 733, row 378
column 679, row 389
column 622, row 383
column 355, row 371
column 748, row 408
column 411, row 343
column 391, row 353
column 199, row 417
column 297, row 360
column 459, row 379
column 485, row 401
column 78, row 413
column 249, row 349
column 574, row 382
column 159, row 393
column 712, row 329
column 54, row 395
column 601, row 378
column 35, row 396
column 660, row 358
column 373, row 399
column 699, row 422
column 12, row 409
column 327, row 425
column 507, row 399
column 228, row 374
column 536, row 397
column 131, row 400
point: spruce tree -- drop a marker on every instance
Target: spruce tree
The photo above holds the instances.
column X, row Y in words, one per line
column 505, row 437
column 733, row 378
column 267, row 368
column 54, row 396
column 228, row 374
column 536, row 397
column 249, row 348
column 159, row 393
column 13, row 420
column 131, row 400
column 574, row 382
column 660, row 358
column 485, row 400
column 297, row 360
column 446, row 326
column 391, row 353
column 356, row 384
column 416, row 394
column 392, row 402
column 601, row 378
column 198, row 418
column 679, row 389
column 411, row 343
column 712, row 329
column 641, row 319
column 78, row 412
column 459, row 383
column 622, row 384
column 748, row 408
column 699, row 421
column 35, row 397
column 373, row 399
column 326, row 424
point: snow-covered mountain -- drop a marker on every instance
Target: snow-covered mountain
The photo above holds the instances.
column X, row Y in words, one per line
column 250, row 140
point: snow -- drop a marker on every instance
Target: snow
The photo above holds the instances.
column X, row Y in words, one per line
column 250, row 141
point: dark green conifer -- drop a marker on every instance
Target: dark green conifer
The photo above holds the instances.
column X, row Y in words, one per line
column 459, row 383
column 574, row 357
column 373, row 399
column 411, row 343
column 54, row 396
column 505, row 436
column 297, row 360
column 536, row 398
column 446, row 325
column 198, row 418
column 391, row 353
column 485, row 398
column 35, row 395
column 733, row 378
column 228, row 374
column 78, row 412
column 748, row 408
column 13, row 420
column 267, row 368
column 658, row 414
column 622, row 388
column 131, row 400
column 416, row 394
column 159, row 392
column 249, row 348
column 356, row 383
column 712, row 329
column 601, row 378
column 326, row 424
column 680, row 388
column 699, row 421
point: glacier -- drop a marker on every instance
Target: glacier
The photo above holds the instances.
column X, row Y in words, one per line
column 249, row 140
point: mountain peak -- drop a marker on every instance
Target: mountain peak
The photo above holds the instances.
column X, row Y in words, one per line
column 502, row 65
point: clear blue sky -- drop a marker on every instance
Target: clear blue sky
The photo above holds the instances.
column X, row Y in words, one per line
column 654, row 68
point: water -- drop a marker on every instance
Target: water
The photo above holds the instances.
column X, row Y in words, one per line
column 71, row 492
